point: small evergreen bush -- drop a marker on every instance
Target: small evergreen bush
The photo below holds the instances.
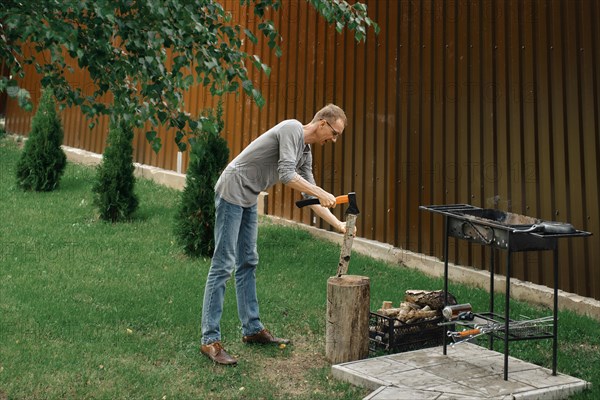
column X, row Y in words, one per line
column 195, row 219
column 114, row 187
column 43, row 161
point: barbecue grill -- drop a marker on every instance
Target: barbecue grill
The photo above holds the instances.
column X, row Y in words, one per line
column 513, row 233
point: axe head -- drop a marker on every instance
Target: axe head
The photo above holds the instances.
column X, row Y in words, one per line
column 352, row 205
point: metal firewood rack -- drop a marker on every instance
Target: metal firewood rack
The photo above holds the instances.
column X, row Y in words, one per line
column 511, row 233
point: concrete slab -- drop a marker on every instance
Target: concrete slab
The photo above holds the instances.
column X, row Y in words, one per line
column 468, row 371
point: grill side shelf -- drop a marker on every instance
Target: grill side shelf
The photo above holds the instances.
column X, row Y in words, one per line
column 449, row 209
column 561, row 235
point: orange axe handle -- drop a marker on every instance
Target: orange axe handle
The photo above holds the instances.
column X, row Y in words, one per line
column 307, row 202
column 343, row 199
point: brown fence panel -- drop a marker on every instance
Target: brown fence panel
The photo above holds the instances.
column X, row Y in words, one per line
column 4, row 72
column 492, row 103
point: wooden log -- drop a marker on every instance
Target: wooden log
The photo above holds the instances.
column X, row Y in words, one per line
column 410, row 313
column 346, row 251
column 433, row 299
column 348, row 307
column 386, row 305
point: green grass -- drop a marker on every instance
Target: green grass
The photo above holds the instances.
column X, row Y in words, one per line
column 96, row 310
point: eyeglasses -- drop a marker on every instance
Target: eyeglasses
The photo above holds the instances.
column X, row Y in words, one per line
column 335, row 133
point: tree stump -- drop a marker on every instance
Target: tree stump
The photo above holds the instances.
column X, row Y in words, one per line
column 348, row 307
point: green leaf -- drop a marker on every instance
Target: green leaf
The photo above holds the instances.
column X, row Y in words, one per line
column 233, row 87
column 156, row 145
column 179, row 61
column 210, row 64
column 258, row 98
column 86, row 109
column 266, row 69
column 150, row 136
column 162, row 116
column 182, row 146
column 259, row 65
column 251, row 36
column 24, row 99
column 229, row 31
column 360, row 7
column 248, row 86
column 188, row 81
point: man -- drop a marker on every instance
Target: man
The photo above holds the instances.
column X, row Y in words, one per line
column 282, row 154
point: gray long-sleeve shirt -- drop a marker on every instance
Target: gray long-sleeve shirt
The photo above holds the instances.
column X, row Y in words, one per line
column 275, row 156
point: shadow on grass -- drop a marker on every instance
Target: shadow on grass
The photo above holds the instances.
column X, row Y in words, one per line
column 70, row 184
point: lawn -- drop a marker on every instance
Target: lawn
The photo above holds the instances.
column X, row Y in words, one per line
column 104, row 311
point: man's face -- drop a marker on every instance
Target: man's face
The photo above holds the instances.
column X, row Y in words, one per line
column 330, row 131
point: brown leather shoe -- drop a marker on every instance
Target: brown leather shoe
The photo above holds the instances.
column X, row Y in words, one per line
column 264, row 337
column 217, row 353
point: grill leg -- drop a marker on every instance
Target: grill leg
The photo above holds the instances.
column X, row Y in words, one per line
column 506, row 313
column 555, row 315
column 491, row 337
column 445, row 279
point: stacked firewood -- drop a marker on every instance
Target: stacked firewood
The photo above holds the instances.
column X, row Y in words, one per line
column 418, row 306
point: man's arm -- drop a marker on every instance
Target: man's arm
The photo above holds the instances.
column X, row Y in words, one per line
column 326, row 215
column 326, row 199
column 299, row 183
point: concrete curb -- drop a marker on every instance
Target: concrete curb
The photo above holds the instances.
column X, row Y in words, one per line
column 161, row 176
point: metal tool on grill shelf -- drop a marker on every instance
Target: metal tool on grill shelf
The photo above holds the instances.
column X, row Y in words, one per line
column 453, row 312
column 522, row 328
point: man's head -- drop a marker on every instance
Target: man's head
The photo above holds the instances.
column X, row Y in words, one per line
column 331, row 122
column 331, row 113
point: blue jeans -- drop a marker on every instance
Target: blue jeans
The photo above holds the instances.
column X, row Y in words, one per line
column 236, row 230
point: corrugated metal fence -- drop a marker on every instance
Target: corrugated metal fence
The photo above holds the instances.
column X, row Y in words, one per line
column 492, row 103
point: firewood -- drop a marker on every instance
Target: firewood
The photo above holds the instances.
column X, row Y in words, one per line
column 386, row 305
column 409, row 312
column 433, row 299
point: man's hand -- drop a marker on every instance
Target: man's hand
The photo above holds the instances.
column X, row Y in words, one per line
column 327, row 200
column 341, row 227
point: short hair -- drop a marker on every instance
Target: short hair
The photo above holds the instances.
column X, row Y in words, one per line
column 331, row 113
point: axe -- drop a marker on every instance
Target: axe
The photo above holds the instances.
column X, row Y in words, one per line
column 351, row 214
column 338, row 200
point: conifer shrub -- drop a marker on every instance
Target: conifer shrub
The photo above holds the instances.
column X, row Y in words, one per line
column 114, row 187
column 43, row 161
column 195, row 218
